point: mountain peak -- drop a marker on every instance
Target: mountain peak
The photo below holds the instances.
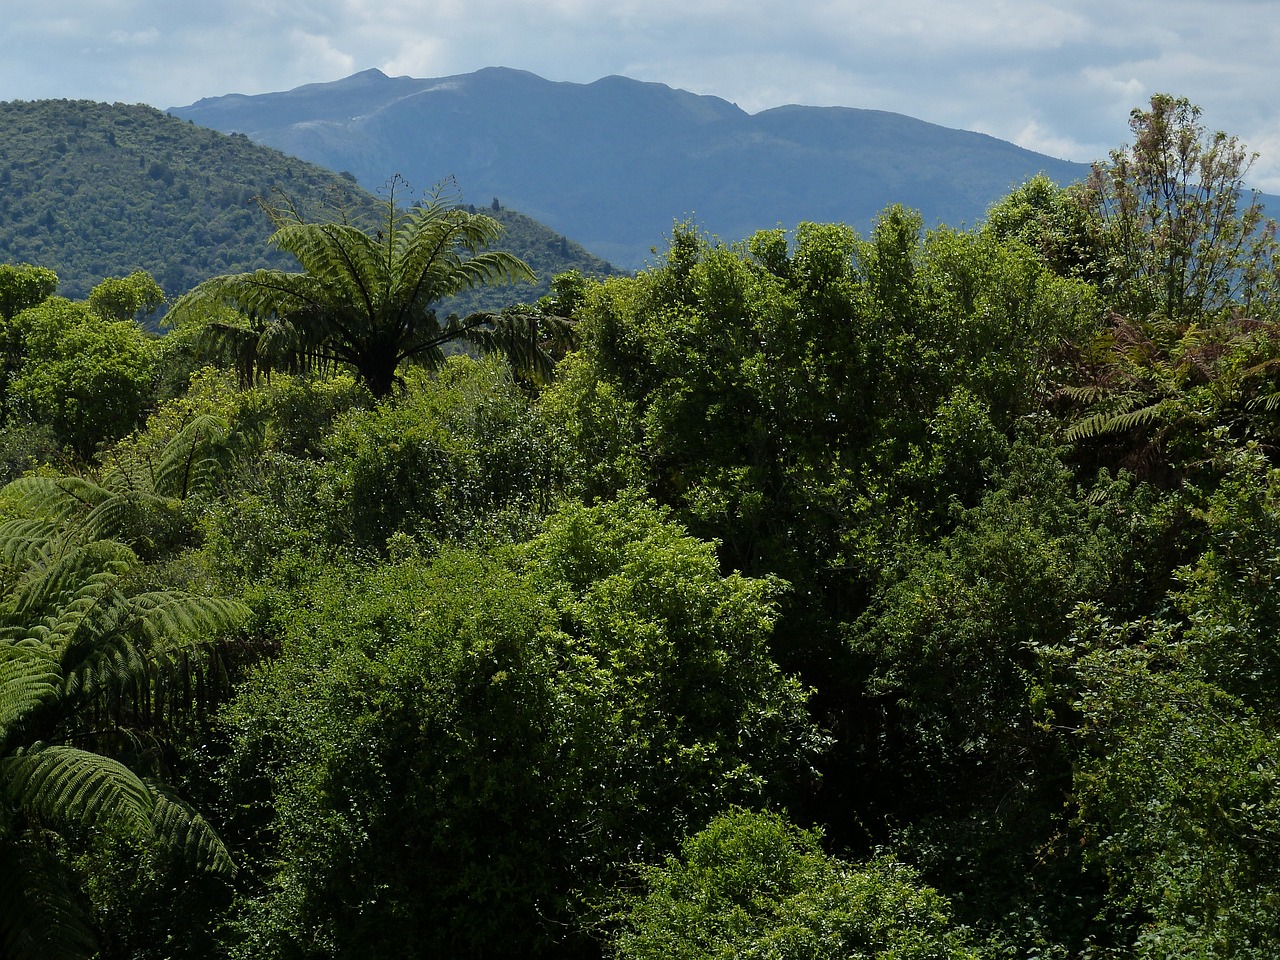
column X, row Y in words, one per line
column 614, row 162
column 373, row 74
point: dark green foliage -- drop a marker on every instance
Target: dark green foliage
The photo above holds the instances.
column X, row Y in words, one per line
column 972, row 769
column 457, row 455
column 751, row 884
column 450, row 752
column 81, row 648
column 1177, row 789
column 809, row 407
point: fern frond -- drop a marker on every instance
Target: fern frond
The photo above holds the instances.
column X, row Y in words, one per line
column 1267, row 402
column 27, row 540
column 1109, row 422
column 340, row 259
column 62, row 785
column 1142, row 417
column 193, row 460
column 29, row 677
column 105, row 662
column 1089, row 393
column 116, row 648
column 168, row 615
column 117, row 516
column 518, row 337
column 53, row 498
column 82, row 571
column 54, row 513
column 186, row 833
column 1090, row 426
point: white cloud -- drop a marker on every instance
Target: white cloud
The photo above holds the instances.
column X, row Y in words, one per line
column 318, row 55
column 134, row 38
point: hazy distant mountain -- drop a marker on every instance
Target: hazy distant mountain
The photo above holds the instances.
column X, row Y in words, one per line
column 613, row 163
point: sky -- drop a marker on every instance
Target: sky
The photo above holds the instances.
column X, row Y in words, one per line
column 1056, row 76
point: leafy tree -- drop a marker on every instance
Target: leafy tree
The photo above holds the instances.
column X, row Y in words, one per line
column 1176, row 786
column 449, row 753
column 595, row 430
column 21, row 286
column 968, row 774
column 24, row 285
column 366, row 297
column 134, row 297
column 1179, row 239
column 89, row 379
column 460, row 454
column 776, row 392
column 1055, row 222
column 751, row 884
column 1187, row 264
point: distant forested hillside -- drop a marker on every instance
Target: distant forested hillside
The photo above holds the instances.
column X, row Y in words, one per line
column 92, row 190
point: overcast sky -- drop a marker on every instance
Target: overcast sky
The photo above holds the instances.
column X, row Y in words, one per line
column 1058, row 76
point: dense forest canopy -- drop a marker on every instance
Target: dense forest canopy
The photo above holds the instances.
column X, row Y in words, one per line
column 92, row 190
column 821, row 595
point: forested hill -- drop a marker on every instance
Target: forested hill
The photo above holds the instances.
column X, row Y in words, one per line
column 93, row 190
column 613, row 163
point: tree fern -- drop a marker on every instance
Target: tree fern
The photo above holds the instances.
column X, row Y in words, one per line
column 29, row 676
column 53, row 581
column 64, row 510
column 366, row 297
column 84, row 658
column 137, row 495
column 63, row 786
column 71, row 639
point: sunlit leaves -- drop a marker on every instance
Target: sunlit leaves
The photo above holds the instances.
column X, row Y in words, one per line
column 483, row 733
column 751, row 884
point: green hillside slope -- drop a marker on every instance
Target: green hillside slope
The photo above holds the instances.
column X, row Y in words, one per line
column 94, row 190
